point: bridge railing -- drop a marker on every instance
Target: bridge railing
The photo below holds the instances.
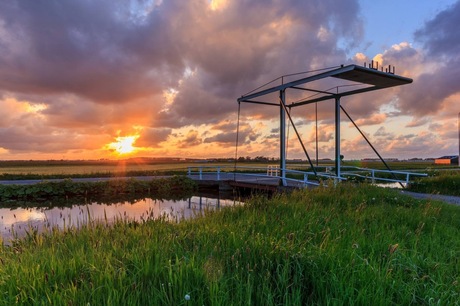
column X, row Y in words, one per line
column 260, row 173
column 385, row 176
column 300, row 177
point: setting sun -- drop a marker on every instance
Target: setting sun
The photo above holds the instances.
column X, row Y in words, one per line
column 124, row 144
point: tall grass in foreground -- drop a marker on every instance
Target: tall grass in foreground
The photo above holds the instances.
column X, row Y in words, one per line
column 439, row 182
column 345, row 245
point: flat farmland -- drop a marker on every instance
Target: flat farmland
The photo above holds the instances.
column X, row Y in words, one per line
column 84, row 167
column 124, row 166
column 119, row 167
column 91, row 167
column 152, row 166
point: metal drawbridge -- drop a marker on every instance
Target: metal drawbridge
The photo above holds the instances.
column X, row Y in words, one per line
column 341, row 81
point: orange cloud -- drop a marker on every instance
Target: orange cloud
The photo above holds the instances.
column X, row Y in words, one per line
column 372, row 120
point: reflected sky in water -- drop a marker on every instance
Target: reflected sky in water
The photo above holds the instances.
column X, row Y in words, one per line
column 16, row 221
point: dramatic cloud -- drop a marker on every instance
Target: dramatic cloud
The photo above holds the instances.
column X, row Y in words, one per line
column 91, row 50
column 190, row 140
column 76, row 75
column 151, row 137
column 438, row 37
column 418, row 122
column 383, row 133
column 436, row 84
column 373, row 119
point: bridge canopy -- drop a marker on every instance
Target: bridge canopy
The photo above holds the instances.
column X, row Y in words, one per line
column 352, row 79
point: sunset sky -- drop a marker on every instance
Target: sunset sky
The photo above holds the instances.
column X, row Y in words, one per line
column 116, row 78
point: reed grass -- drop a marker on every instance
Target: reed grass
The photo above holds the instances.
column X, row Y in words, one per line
column 40, row 193
column 343, row 245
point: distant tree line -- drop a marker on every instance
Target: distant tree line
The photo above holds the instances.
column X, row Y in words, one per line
column 257, row 159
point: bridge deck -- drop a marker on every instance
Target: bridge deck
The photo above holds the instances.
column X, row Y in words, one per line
column 253, row 181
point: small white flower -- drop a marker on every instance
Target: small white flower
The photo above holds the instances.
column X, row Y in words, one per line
column 187, row 297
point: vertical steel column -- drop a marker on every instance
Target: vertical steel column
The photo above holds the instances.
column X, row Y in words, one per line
column 316, row 131
column 337, row 136
column 283, row 137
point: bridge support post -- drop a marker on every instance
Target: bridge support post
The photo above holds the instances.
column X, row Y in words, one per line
column 283, row 137
column 337, row 137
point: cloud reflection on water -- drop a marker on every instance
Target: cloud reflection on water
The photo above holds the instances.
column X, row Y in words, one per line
column 15, row 222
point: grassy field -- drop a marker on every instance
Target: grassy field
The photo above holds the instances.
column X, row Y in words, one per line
column 22, row 169
column 442, row 179
column 72, row 169
column 346, row 245
column 87, row 167
column 37, row 169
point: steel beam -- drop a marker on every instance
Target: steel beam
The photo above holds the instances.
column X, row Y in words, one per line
column 332, row 96
column 283, row 137
column 260, row 102
column 297, row 82
column 313, row 90
column 337, row 137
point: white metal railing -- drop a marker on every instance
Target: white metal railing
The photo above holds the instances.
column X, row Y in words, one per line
column 259, row 173
column 372, row 175
column 296, row 176
column 273, row 170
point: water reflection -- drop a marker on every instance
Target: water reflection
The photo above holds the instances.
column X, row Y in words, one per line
column 391, row 185
column 15, row 222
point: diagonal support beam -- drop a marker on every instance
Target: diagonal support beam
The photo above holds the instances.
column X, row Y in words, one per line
column 370, row 144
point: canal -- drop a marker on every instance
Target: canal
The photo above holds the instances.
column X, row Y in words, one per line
column 15, row 222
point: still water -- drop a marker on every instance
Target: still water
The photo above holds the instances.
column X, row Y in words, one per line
column 14, row 222
column 392, row 185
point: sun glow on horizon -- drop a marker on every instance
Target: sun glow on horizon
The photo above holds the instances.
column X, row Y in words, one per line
column 123, row 144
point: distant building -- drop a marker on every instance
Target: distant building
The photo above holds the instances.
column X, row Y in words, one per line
column 447, row 160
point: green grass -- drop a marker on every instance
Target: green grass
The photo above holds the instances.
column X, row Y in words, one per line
column 342, row 245
column 114, row 190
column 439, row 182
column 34, row 171
column 396, row 165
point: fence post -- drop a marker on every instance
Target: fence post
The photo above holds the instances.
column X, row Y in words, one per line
column 373, row 176
column 201, row 173
column 189, row 171
column 218, row 173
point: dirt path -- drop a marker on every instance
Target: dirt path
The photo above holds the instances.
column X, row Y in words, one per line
column 445, row 198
